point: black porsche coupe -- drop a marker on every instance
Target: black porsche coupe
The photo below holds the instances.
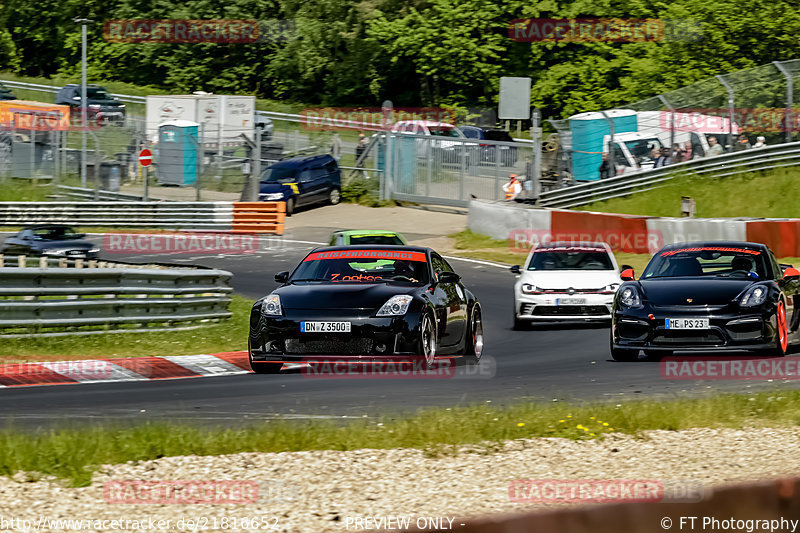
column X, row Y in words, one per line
column 707, row 297
column 365, row 303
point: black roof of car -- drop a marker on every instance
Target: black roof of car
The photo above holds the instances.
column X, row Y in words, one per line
column 301, row 160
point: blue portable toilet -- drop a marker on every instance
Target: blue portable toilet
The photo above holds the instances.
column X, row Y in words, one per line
column 588, row 131
column 178, row 143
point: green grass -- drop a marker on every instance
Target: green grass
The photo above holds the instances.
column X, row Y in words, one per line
column 74, row 454
column 24, row 190
column 774, row 194
column 224, row 336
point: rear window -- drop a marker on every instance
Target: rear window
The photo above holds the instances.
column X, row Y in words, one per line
column 363, row 266
column 571, row 258
column 441, row 131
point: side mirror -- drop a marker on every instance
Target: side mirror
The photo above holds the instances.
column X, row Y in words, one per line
column 282, row 277
column 627, row 275
column 515, row 269
column 791, row 273
column 449, row 277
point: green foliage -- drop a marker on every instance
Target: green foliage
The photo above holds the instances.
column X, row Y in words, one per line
column 412, row 52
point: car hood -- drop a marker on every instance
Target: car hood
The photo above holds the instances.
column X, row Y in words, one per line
column 564, row 279
column 75, row 244
column 678, row 291
column 314, row 295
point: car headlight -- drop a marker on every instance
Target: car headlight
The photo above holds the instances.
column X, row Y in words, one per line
column 527, row 288
column 629, row 297
column 54, row 251
column 754, row 296
column 272, row 305
column 611, row 288
column 396, row 305
column 273, row 196
column 93, row 250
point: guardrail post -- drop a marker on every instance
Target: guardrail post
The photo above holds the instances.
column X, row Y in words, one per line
column 79, row 263
column 43, row 262
column 62, row 263
column 2, row 261
column 788, row 123
column 22, row 261
column 730, row 107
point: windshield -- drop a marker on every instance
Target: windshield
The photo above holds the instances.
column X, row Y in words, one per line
column 386, row 240
column 644, row 150
column 710, row 261
column 55, row 234
column 279, row 175
column 443, row 131
column 571, row 258
column 363, row 266
column 98, row 94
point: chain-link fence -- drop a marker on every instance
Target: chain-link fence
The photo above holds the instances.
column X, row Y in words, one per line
column 743, row 110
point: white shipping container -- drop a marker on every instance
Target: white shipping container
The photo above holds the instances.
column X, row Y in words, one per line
column 235, row 113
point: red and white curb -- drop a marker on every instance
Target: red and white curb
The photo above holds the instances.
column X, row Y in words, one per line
column 123, row 369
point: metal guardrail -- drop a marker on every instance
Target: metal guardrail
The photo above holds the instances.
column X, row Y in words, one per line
column 167, row 215
column 126, row 98
column 80, row 193
column 109, row 300
column 753, row 160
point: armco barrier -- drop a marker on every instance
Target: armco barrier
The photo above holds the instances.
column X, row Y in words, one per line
column 261, row 217
column 85, row 299
column 628, row 233
column 773, row 500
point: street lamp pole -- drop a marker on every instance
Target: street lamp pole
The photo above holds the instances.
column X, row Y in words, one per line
column 83, row 101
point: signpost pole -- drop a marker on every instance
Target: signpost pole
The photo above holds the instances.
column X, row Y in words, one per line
column 144, row 177
column 145, row 158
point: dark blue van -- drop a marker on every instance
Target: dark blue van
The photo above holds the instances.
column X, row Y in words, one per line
column 301, row 181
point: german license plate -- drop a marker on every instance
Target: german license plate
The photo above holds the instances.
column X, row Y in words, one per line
column 324, row 327
column 570, row 301
column 687, row 323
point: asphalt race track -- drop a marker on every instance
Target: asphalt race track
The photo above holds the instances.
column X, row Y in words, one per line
column 545, row 363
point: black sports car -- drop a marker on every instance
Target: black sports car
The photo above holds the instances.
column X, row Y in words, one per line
column 55, row 240
column 708, row 296
column 365, row 303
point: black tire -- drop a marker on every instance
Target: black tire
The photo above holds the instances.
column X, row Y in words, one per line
column 623, row 354
column 334, row 197
column 262, row 368
column 782, row 337
column 427, row 339
column 519, row 325
column 290, row 206
column 474, row 340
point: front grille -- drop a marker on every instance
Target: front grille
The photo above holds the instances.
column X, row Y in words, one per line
column 354, row 346
column 692, row 338
column 573, row 291
column 561, row 310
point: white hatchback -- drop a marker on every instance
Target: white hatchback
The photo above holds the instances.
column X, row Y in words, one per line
column 566, row 281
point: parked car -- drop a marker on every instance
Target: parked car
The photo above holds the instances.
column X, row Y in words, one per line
column 352, row 237
column 488, row 153
column 436, row 147
column 362, row 303
column 302, row 181
column 102, row 106
column 5, row 93
column 573, row 281
column 56, row 240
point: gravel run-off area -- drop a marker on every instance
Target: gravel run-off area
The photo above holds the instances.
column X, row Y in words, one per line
column 321, row 491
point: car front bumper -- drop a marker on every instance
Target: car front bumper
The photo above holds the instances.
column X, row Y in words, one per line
column 547, row 307
column 278, row 338
column 728, row 331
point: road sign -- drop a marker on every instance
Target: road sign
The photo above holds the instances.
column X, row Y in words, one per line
column 145, row 157
column 515, row 98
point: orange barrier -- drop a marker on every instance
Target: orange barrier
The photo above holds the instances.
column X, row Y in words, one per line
column 259, row 217
column 779, row 235
column 623, row 233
